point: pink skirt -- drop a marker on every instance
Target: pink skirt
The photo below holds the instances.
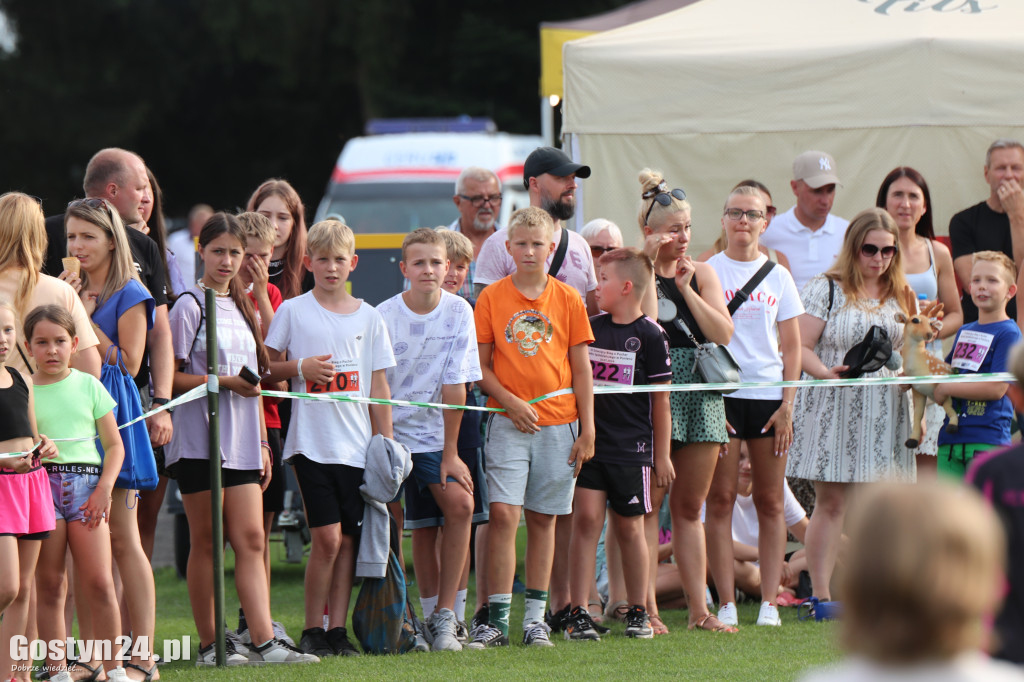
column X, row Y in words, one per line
column 26, row 504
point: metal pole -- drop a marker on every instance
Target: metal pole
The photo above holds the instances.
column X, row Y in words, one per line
column 216, row 500
column 547, row 121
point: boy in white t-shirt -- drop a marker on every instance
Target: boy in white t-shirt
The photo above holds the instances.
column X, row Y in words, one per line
column 327, row 341
column 434, row 342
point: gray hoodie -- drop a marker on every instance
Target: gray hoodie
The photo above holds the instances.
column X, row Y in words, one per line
column 388, row 464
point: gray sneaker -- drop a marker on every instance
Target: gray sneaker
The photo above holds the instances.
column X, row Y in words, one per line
column 443, row 627
column 462, row 632
column 487, row 636
column 208, row 656
column 536, row 634
column 277, row 651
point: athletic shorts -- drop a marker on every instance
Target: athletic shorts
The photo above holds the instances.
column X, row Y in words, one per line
column 628, row 486
column 273, row 496
column 193, row 476
column 330, row 493
column 748, row 416
column 954, row 458
column 530, row 470
column 426, row 469
column 421, row 510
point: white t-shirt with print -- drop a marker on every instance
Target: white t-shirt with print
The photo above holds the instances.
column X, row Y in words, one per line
column 430, row 350
column 754, row 340
column 577, row 270
column 810, row 252
column 331, row 432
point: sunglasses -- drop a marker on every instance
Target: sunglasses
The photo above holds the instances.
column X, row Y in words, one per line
column 869, row 250
column 99, row 204
column 601, row 250
column 663, row 196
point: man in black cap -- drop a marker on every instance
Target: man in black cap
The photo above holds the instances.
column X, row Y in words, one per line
column 550, row 177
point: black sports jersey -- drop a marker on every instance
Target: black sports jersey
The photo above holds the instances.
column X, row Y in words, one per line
column 626, row 355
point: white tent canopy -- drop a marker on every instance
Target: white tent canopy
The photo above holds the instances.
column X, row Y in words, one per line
column 723, row 90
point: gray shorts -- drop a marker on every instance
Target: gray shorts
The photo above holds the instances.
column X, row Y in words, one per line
column 530, row 470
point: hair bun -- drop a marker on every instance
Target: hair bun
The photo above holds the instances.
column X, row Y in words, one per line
column 650, row 179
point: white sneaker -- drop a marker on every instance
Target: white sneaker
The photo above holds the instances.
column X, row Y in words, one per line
column 208, row 655
column 727, row 614
column 536, row 634
column 62, row 676
column 443, row 627
column 278, row 651
column 769, row 615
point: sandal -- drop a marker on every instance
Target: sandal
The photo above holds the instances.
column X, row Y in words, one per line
column 658, row 625
column 711, row 623
column 618, row 611
column 596, row 614
column 94, row 673
column 147, row 673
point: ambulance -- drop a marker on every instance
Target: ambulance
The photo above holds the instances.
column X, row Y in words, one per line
column 386, row 185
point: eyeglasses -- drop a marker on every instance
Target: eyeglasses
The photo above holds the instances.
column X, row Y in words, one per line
column 663, row 196
column 736, row 214
column 100, row 204
column 870, row 250
column 598, row 251
column 482, row 199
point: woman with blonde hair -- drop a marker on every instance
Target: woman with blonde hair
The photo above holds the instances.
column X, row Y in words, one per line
column 847, row 435
column 122, row 311
column 689, row 297
column 924, row 578
column 22, row 249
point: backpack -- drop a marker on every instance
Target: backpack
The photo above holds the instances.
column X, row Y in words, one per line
column 379, row 619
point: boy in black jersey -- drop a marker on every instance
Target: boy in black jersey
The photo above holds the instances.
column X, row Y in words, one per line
column 633, row 433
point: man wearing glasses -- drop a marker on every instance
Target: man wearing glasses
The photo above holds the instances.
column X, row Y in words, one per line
column 809, row 235
column 478, row 198
column 550, row 177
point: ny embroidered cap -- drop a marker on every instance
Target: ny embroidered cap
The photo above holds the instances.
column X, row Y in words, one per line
column 817, row 169
column 550, row 160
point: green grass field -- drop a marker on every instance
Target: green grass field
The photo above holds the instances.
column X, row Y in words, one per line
column 752, row 654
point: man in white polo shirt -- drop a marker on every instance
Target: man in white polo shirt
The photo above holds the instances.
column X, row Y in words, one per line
column 809, row 235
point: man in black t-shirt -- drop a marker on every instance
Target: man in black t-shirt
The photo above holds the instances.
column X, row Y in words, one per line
column 996, row 224
column 119, row 176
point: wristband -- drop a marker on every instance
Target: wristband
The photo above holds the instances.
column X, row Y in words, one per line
column 265, row 444
column 298, row 366
column 161, row 401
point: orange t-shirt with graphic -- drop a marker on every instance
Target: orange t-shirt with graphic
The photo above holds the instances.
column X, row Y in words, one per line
column 531, row 340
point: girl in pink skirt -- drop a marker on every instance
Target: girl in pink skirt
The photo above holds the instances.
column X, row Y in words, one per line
column 26, row 506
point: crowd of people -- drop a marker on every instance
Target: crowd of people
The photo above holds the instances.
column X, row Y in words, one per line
column 99, row 301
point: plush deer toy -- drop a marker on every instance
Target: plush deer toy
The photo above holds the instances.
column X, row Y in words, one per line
column 918, row 330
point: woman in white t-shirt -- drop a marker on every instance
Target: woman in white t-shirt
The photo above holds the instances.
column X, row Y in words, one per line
column 765, row 323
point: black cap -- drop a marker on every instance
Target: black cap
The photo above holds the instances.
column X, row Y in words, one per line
column 550, row 160
column 869, row 355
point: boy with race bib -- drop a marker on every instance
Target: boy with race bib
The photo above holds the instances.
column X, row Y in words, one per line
column 981, row 347
column 327, row 341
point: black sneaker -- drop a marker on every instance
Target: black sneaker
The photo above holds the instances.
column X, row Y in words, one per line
column 637, row 623
column 580, row 626
column 337, row 639
column 487, row 636
column 557, row 620
column 480, row 619
column 314, row 641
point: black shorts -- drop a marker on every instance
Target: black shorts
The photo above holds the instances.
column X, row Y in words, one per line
column 421, row 510
column 41, row 535
column 628, row 486
column 273, row 496
column 161, row 465
column 748, row 417
column 193, row 476
column 330, row 493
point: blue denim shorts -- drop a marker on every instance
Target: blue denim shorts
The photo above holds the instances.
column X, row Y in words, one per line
column 426, row 469
column 70, row 492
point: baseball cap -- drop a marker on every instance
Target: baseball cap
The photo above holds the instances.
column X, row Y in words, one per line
column 817, row 169
column 550, row 160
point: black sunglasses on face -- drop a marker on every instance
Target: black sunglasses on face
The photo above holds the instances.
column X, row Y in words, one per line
column 662, row 196
column 870, row 250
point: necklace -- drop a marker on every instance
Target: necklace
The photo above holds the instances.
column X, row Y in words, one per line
column 202, row 285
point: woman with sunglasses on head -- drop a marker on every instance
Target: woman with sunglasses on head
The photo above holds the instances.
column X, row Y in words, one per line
column 928, row 266
column 846, row 435
column 122, row 311
column 766, row 306
column 769, row 210
column 690, row 295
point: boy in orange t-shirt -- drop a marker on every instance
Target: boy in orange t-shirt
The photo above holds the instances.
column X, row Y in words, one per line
column 533, row 333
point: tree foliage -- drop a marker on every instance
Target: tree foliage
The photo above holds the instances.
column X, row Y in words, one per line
column 219, row 95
